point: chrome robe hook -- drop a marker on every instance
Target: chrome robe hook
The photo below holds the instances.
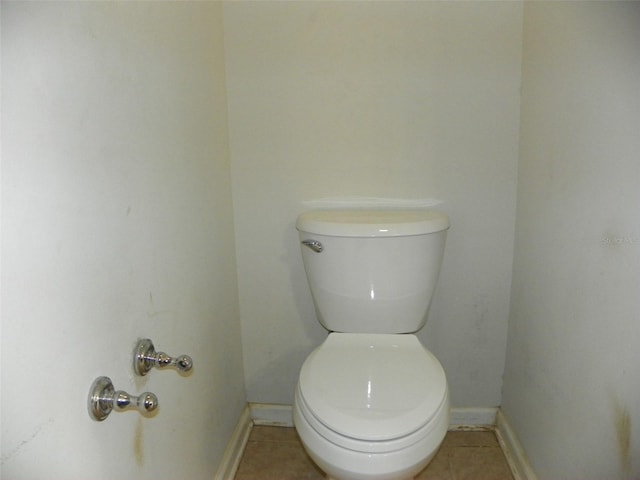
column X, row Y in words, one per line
column 103, row 399
column 145, row 358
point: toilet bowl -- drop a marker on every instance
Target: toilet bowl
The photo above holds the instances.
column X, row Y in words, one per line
column 372, row 403
column 371, row 406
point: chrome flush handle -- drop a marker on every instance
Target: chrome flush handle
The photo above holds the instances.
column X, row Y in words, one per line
column 103, row 399
column 145, row 358
column 314, row 245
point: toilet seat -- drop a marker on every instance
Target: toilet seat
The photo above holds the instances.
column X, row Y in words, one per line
column 372, row 392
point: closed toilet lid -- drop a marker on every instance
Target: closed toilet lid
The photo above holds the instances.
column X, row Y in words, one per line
column 373, row 386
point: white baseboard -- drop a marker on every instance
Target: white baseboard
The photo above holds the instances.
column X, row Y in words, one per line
column 270, row 414
column 518, row 461
column 460, row 419
column 235, row 447
column 476, row 418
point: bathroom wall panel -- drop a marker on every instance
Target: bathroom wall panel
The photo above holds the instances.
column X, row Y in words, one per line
column 116, row 224
column 572, row 389
column 376, row 99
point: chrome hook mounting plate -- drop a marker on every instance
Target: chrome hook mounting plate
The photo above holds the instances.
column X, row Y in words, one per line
column 101, row 390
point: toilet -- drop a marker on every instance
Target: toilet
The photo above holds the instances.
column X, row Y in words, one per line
column 372, row 403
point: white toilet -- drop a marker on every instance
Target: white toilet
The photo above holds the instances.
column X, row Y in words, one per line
column 372, row 403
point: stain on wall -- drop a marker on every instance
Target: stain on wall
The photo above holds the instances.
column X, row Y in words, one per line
column 622, row 420
column 138, row 443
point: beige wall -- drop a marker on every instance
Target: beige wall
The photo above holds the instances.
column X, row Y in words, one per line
column 116, row 224
column 572, row 389
column 383, row 99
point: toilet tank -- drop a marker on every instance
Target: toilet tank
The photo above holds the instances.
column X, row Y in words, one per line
column 372, row 271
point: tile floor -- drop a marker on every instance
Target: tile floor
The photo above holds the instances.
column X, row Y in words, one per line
column 275, row 453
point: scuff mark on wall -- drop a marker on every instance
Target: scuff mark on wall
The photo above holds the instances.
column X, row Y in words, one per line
column 152, row 312
column 30, row 438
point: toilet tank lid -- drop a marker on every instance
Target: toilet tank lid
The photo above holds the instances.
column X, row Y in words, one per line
column 372, row 223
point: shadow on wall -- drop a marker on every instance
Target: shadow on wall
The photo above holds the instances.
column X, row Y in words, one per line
column 265, row 379
column 281, row 365
column 305, row 307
